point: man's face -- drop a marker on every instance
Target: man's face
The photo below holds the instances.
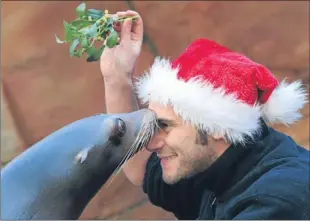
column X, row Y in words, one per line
column 181, row 155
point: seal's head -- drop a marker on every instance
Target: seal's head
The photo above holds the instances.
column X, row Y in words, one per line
column 119, row 137
column 130, row 132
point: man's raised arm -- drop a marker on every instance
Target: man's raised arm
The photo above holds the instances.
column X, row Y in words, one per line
column 117, row 65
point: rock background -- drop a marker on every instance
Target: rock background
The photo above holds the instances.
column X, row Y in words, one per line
column 43, row 88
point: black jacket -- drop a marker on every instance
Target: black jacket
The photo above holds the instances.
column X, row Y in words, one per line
column 267, row 179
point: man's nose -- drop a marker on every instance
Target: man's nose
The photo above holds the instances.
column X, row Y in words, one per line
column 156, row 143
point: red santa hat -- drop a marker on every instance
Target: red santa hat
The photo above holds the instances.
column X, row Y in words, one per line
column 221, row 91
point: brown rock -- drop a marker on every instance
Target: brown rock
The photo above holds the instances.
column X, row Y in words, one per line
column 270, row 32
column 11, row 141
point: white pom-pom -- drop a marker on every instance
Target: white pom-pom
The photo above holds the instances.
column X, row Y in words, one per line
column 285, row 103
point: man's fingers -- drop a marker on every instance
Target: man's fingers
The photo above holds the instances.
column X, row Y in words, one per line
column 130, row 30
column 126, row 13
column 131, row 13
column 126, row 30
column 121, row 14
column 137, row 26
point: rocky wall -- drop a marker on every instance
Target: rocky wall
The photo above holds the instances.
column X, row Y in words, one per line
column 46, row 89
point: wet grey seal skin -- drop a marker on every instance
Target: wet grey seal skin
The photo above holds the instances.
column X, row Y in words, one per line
column 58, row 176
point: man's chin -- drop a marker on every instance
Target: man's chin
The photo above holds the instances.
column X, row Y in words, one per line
column 170, row 171
column 170, row 178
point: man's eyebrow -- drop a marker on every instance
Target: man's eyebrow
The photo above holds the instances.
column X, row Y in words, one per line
column 169, row 122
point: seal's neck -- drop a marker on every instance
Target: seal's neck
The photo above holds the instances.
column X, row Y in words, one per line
column 97, row 168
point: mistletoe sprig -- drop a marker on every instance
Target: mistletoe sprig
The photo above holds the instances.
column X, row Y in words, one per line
column 90, row 28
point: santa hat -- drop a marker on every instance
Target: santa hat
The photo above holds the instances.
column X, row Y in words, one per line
column 221, row 91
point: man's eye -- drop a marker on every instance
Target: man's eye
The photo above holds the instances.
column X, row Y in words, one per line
column 162, row 125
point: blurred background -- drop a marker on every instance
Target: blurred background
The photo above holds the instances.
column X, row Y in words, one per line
column 44, row 89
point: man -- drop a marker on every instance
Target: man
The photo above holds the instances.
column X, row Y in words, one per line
column 214, row 157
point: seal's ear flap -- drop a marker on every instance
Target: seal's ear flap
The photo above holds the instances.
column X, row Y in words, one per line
column 118, row 130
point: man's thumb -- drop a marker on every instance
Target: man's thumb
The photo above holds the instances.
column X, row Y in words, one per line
column 126, row 30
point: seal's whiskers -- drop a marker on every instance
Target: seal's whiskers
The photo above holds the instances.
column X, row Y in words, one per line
column 145, row 134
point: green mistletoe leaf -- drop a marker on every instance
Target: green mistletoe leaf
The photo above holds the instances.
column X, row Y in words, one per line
column 82, row 23
column 93, row 30
column 78, row 53
column 95, row 14
column 93, row 54
column 92, row 11
column 68, row 31
column 112, row 39
column 72, row 47
column 90, row 31
column 85, row 42
column 80, row 10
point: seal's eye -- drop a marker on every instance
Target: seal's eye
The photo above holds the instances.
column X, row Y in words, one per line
column 119, row 130
column 121, row 127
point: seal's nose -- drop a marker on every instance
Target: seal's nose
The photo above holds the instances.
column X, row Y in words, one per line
column 142, row 127
column 142, row 117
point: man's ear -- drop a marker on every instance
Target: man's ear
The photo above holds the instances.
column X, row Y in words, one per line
column 218, row 138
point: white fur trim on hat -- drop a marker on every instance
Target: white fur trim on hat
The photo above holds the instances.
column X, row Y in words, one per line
column 206, row 107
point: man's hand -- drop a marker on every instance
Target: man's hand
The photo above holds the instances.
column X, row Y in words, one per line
column 117, row 65
column 120, row 60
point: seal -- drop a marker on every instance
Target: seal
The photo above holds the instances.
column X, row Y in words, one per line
column 58, row 176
